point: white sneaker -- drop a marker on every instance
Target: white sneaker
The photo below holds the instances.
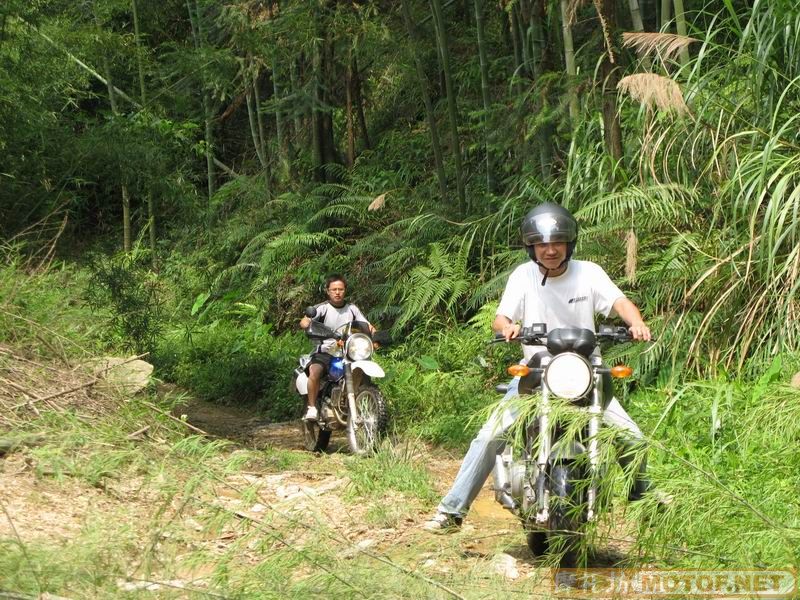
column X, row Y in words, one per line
column 311, row 414
column 662, row 497
column 443, row 523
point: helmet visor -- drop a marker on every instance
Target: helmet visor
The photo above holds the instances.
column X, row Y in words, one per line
column 548, row 228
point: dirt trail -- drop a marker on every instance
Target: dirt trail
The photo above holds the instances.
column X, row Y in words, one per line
column 487, row 519
column 297, row 499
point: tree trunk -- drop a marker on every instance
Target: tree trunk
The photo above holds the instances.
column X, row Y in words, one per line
column 569, row 60
column 255, row 133
column 359, row 100
column 262, row 131
column 426, row 99
column 452, row 111
column 525, row 45
column 324, row 146
column 199, row 40
column 636, row 15
column 139, row 63
column 126, row 200
column 328, row 142
column 151, row 210
column 537, row 46
column 351, row 129
column 316, row 117
column 284, row 144
column 612, row 128
column 515, row 41
column 479, row 22
column 296, row 118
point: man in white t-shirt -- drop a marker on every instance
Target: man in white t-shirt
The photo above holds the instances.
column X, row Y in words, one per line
column 333, row 314
column 559, row 292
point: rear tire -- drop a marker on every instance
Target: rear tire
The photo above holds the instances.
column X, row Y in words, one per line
column 364, row 435
column 567, row 513
column 315, row 439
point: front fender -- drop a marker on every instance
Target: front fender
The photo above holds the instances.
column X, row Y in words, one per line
column 368, row 367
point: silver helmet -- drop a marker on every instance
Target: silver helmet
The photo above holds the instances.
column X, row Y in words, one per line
column 547, row 223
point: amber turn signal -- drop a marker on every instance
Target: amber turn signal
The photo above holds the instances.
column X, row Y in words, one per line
column 621, row 371
column 519, row 370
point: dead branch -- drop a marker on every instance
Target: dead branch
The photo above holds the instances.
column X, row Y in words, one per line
column 81, row 386
column 176, row 419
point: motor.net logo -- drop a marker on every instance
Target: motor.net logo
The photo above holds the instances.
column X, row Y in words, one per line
column 653, row 583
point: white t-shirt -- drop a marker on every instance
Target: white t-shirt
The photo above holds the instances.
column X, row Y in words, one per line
column 333, row 318
column 569, row 300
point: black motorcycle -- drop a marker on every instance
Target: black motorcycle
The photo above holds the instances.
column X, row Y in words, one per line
column 554, row 485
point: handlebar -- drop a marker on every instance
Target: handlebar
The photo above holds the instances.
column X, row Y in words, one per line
column 534, row 335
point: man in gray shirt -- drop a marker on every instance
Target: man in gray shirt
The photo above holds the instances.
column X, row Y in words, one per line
column 333, row 314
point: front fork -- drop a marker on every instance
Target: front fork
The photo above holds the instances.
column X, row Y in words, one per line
column 595, row 417
column 545, row 446
column 545, row 443
column 350, row 389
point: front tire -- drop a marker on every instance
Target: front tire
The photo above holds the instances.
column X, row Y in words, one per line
column 537, row 542
column 567, row 513
column 364, row 433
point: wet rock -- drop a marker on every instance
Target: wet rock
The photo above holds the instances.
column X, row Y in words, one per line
column 358, row 548
column 117, row 374
column 505, row 565
column 795, row 383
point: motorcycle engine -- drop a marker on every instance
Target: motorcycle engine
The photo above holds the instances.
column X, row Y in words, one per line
column 511, row 488
column 338, row 405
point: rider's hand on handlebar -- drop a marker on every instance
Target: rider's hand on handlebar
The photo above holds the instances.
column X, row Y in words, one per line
column 510, row 331
column 640, row 331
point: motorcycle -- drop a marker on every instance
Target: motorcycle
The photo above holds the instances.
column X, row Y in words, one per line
column 347, row 398
column 554, row 485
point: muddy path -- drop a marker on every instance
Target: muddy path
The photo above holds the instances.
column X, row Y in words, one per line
column 488, row 532
column 487, row 518
column 301, row 497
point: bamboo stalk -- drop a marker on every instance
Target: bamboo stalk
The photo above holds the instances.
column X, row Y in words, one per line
column 666, row 14
column 680, row 26
column 638, row 25
column 452, row 110
column 426, row 98
column 569, row 60
column 126, row 200
column 484, row 64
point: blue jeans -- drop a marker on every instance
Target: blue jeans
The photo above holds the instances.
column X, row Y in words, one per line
column 489, row 442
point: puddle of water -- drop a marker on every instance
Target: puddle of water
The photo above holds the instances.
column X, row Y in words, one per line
column 486, row 508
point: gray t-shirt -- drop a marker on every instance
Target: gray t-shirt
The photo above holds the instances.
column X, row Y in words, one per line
column 333, row 318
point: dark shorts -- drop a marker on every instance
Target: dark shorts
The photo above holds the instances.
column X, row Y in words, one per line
column 321, row 358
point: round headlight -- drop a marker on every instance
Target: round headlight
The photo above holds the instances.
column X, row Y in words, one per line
column 359, row 347
column 568, row 375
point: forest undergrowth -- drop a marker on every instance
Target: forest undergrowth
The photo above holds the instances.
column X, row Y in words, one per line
column 158, row 493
